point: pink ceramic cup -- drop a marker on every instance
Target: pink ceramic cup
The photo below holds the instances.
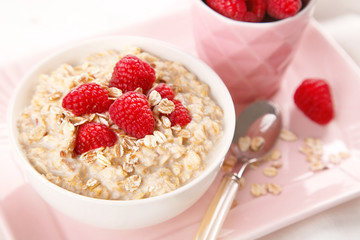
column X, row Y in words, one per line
column 251, row 58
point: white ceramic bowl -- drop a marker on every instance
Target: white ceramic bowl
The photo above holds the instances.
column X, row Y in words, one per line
column 118, row 214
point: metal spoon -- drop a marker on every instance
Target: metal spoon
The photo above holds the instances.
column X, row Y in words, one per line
column 263, row 119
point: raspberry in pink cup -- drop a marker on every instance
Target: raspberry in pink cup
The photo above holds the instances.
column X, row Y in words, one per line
column 250, row 57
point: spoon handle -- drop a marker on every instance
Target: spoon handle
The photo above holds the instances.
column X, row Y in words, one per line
column 218, row 208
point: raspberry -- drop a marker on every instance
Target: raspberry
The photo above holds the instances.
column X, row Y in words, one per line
column 255, row 10
column 94, row 135
column 281, row 9
column 180, row 115
column 165, row 91
column 313, row 98
column 242, row 10
column 132, row 113
column 130, row 73
column 87, row 98
column 234, row 9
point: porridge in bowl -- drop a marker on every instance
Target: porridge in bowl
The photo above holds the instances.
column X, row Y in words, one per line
column 121, row 125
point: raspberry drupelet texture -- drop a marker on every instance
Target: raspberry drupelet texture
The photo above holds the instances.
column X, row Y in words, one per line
column 130, row 72
column 87, row 98
column 94, row 135
column 242, row 10
column 132, row 113
column 313, row 98
column 281, row 9
column 256, row 10
column 165, row 91
column 180, row 116
column 234, row 9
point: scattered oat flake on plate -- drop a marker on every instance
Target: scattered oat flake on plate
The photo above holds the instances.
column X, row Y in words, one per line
column 344, row 155
column 314, row 143
column 337, row 158
column 258, row 190
column 270, row 171
column 312, row 158
column 277, row 164
column 241, row 182
column 317, row 166
column 334, row 159
column 275, row 155
column 312, row 147
column 287, row 135
column 273, row 188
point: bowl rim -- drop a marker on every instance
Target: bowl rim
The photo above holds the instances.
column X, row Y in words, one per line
column 22, row 161
column 310, row 4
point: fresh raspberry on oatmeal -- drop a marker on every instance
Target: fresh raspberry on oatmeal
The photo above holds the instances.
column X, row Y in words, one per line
column 94, row 135
column 180, row 116
column 130, row 73
column 132, row 113
column 165, row 91
column 87, row 98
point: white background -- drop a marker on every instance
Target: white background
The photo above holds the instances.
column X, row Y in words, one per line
column 30, row 26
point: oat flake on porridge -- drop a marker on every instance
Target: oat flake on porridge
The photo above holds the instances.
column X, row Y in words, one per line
column 132, row 168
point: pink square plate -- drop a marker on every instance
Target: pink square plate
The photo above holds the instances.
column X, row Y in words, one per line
column 23, row 215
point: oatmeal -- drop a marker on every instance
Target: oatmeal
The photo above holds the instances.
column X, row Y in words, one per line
column 124, row 167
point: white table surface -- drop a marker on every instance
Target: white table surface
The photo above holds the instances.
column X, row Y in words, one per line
column 30, row 26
